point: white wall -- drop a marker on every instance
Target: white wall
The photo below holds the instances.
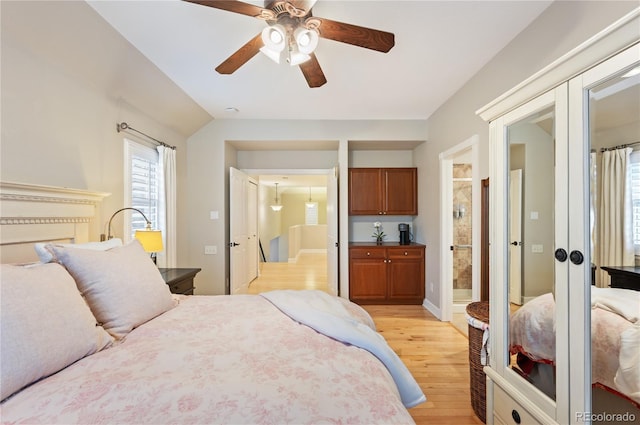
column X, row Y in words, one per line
column 560, row 28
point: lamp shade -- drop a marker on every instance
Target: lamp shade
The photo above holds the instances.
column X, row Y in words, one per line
column 151, row 240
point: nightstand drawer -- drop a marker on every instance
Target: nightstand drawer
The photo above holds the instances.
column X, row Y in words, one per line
column 180, row 281
column 184, row 287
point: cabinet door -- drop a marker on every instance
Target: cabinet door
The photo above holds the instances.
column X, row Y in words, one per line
column 406, row 275
column 367, row 274
column 365, row 191
column 400, row 195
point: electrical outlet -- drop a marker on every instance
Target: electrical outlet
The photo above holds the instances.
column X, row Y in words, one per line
column 536, row 249
column 213, row 215
column 210, row 250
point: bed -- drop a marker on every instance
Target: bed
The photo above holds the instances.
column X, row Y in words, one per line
column 615, row 335
column 95, row 336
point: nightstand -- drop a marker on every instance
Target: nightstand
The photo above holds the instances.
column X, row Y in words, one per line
column 180, row 281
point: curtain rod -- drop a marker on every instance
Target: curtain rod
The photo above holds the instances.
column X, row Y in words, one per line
column 124, row 126
column 626, row 145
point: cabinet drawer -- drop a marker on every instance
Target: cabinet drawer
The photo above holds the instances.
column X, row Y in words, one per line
column 508, row 411
column 405, row 252
column 367, row 252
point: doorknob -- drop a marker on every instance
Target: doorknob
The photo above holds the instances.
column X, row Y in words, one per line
column 515, row 243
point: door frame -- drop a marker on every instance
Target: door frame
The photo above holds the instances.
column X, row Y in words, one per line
column 335, row 286
column 446, row 223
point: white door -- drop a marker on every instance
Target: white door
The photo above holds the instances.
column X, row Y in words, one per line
column 332, row 231
column 515, row 237
column 252, row 227
column 238, row 230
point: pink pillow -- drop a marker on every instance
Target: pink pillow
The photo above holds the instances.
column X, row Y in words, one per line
column 122, row 285
column 45, row 325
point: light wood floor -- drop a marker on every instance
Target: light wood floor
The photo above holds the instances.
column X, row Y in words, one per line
column 435, row 352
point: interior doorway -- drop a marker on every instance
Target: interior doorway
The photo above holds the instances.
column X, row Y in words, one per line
column 460, row 228
column 297, row 227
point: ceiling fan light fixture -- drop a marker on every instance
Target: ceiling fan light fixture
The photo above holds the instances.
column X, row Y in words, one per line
column 274, row 37
column 271, row 54
column 306, row 39
column 296, row 58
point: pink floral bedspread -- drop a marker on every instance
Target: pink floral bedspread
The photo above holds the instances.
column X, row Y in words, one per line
column 532, row 334
column 217, row 360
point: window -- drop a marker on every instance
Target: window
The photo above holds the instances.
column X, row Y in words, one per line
column 311, row 213
column 634, row 175
column 141, row 186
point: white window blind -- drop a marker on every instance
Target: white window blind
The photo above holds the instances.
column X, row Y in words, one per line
column 141, row 185
column 635, row 198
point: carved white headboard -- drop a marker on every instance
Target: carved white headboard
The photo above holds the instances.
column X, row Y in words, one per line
column 35, row 213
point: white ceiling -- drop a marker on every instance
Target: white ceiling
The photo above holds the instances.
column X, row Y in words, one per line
column 439, row 46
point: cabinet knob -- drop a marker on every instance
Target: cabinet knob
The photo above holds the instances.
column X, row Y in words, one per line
column 379, row 212
column 388, row 261
column 406, row 253
column 368, row 254
column 516, row 416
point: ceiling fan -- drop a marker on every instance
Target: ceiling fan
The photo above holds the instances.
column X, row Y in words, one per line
column 292, row 35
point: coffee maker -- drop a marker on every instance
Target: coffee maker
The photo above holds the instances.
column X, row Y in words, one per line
column 405, row 236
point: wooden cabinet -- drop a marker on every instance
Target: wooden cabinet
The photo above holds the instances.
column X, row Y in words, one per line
column 386, row 274
column 383, row 191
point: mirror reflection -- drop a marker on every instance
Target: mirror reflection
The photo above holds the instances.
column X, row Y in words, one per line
column 613, row 274
column 614, row 132
column 531, row 241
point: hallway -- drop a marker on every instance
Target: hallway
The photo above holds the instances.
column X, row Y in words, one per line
column 309, row 272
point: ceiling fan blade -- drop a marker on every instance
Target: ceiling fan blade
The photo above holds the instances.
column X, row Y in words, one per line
column 241, row 56
column 368, row 38
column 231, row 6
column 312, row 72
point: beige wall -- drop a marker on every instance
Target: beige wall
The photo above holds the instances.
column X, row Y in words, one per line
column 63, row 93
column 560, row 28
column 210, row 154
column 66, row 85
column 310, row 238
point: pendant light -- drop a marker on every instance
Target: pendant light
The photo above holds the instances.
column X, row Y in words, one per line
column 310, row 204
column 276, row 206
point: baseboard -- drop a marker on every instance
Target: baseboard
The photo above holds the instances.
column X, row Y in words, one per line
column 432, row 309
column 307, row 251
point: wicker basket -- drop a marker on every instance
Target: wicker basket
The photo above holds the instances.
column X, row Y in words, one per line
column 478, row 383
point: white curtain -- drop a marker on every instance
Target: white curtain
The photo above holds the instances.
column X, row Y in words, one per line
column 168, row 202
column 615, row 221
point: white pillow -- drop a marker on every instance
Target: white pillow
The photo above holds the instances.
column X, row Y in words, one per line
column 46, row 255
column 122, row 286
column 45, row 325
